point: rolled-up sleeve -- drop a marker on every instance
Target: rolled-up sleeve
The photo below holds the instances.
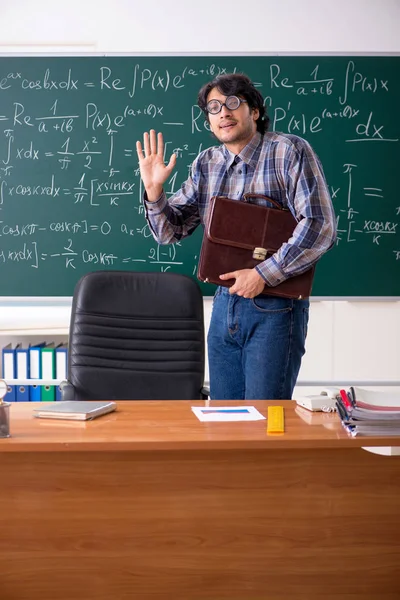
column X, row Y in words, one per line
column 172, row 219
column 308, row 199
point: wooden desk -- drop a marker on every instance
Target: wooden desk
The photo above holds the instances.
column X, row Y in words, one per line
column 149, row 502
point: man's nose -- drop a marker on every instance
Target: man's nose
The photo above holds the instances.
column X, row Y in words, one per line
column 225, row 111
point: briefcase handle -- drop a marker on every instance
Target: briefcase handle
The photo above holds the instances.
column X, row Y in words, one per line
column 251, row 195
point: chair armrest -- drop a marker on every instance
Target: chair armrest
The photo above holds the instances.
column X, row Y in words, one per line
column 205, row 392
column 67, row 391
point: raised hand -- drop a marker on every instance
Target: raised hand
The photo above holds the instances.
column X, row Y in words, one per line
column 153, row 171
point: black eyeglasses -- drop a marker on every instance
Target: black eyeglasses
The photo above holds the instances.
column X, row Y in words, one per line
column 231, row 103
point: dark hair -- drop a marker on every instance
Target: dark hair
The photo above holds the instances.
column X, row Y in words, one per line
column 235, row 84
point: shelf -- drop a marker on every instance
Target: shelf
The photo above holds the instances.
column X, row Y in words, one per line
column 28, row 332
column 33, row 381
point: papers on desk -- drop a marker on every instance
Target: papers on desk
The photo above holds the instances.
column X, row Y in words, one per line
column 227, row 413
column 364, row 412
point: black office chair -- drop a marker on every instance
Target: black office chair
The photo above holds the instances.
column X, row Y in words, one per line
column 136, row 336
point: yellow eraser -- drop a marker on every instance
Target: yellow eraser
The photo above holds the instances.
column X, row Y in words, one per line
column 275, row 419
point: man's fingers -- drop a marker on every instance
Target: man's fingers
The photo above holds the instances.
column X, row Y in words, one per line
column 160, row 145
column 139, row 151
column 146, row 143
column 153, row 141
column 153, row 144
column 232, row 275
column 171, row 164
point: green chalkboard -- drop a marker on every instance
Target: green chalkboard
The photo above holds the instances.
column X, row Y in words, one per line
column 70, row 190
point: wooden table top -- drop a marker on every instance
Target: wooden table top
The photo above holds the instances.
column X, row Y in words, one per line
column 171, row 425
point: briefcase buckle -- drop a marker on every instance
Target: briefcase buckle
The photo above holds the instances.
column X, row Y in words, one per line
column 260, row 253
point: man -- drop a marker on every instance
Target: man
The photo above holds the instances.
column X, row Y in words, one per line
column 255, row 342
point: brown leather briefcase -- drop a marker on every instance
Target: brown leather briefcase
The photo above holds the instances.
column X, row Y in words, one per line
column 240, row 235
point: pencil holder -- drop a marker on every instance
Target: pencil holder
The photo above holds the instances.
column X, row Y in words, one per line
column 5, row 419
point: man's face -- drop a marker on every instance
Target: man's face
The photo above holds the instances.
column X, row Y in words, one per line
column 234, row 128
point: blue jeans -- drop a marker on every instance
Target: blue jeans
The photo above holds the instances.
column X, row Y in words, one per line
column 255, row 346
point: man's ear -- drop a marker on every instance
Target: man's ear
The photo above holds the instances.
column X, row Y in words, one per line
column 256, row 114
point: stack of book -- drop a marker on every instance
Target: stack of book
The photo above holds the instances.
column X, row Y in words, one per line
column 364, row 412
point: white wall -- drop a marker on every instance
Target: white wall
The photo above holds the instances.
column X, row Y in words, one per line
column 347, row 340
column 206, row 25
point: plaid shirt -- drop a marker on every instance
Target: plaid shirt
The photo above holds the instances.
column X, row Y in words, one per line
column 283, row 167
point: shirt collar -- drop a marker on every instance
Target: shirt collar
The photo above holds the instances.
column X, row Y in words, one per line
column 249, row 154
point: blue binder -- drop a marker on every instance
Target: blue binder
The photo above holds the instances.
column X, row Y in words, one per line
column 8, row 367
column 61, row 356
column 35, row 368
column 35, row 393
column 22, row 372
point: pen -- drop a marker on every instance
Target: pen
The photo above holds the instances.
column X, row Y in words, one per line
column 341, row 410
column 225, row 410
column 352, row 396
column 345, row 399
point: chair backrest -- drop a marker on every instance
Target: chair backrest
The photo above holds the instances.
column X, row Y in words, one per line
column 136, row 336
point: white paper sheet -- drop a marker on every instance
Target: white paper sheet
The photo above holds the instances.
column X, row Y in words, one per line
column 227, row 413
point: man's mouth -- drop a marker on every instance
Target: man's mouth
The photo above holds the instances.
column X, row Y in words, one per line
column 227, row 125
